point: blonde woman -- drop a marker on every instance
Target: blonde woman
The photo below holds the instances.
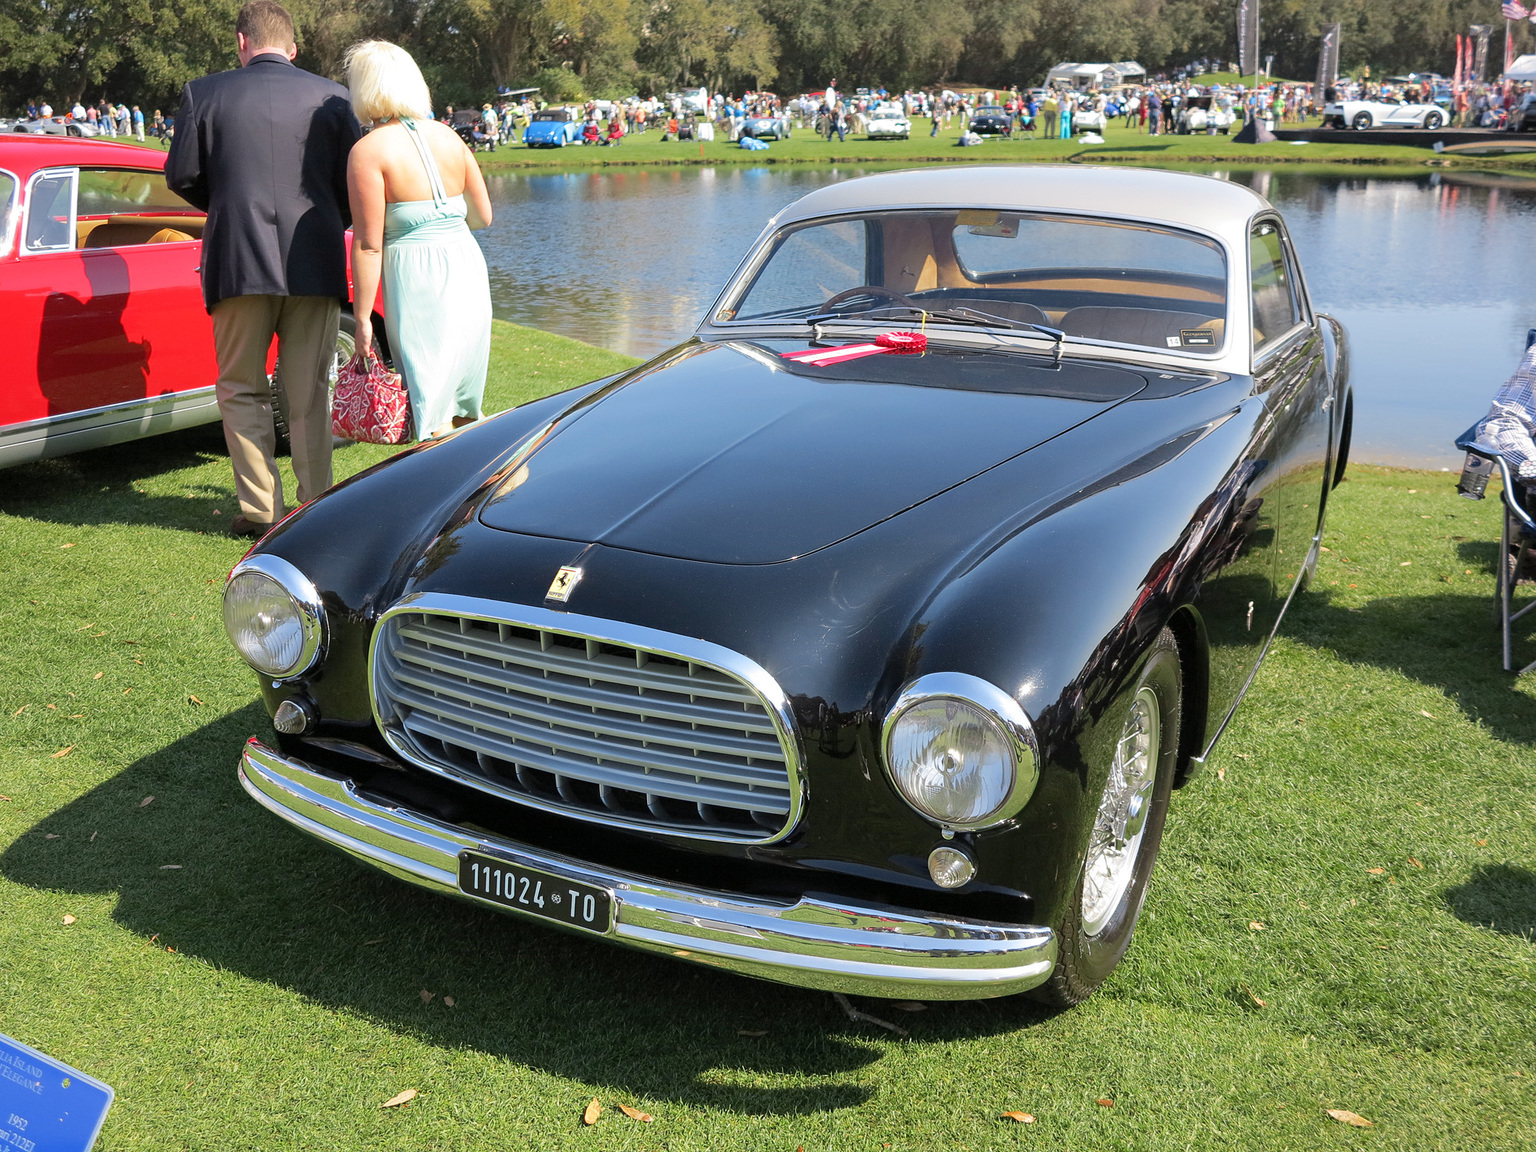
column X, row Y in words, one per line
column 416, row 192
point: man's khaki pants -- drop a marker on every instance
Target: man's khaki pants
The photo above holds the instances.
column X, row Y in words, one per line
column 305, row 326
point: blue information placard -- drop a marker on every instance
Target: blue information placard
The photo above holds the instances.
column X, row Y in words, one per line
column 46, row 1106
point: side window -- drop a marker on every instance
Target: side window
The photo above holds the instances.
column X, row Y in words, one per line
column 1275, row 307
column 109, row 192
column 807, row 268
column 51, row 212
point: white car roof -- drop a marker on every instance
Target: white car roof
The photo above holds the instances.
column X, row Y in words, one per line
column 1182, row 199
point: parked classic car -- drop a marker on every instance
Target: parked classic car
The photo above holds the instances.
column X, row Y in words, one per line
column 107, row 338
column 552, row 128
column 990, row 120
column 1200, row 113
column 766, row 127
column 794, row 656
column 889, row 122
column 55, row 126
column 1386, row 112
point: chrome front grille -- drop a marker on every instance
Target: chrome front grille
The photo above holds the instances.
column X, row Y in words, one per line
column 592, row 718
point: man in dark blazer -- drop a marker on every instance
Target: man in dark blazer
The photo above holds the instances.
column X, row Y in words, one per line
column 263, row 150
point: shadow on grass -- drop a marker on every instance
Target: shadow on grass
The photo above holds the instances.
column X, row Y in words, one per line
column 1499, row 897
column 1448, row 641
column 256, row 897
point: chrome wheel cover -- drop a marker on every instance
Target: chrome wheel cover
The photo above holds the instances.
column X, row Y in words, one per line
column 1115, row 842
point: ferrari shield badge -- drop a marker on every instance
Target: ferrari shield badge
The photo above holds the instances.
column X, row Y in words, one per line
column 564, row 583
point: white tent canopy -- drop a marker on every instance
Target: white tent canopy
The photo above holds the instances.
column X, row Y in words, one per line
column 1094, row 75
column 1523, row 68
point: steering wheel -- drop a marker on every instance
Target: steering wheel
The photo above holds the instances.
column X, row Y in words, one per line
column 871, row 290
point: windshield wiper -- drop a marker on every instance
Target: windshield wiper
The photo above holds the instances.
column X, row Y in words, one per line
column 947, row 315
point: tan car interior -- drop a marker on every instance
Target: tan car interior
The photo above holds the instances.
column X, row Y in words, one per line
column 920, row 256
column 123, row 230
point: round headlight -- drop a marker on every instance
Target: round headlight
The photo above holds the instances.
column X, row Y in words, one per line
column 273, row 616
column 960, row 750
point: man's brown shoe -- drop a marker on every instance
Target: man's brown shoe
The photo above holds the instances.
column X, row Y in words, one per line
column 245, row 526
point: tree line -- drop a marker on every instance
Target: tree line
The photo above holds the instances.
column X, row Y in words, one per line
column 144, row 50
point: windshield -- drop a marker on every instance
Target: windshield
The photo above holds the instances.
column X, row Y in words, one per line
column 1103, row 280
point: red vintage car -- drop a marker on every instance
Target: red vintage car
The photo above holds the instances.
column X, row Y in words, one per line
column 106, row 335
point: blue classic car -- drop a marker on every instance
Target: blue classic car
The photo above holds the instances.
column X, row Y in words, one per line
column 552, row 128
column 766, row 127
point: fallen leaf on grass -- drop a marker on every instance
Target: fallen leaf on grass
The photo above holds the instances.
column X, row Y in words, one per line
column 1253, row 997
column 193, row 700
column 426, row 997
column 68, row 919
column 403, row 1098
column 749, row 1032
column 1018, row 1117
column 166, row 867
column 592, row 1111
column 1414, row 862
column 92, row 840
column 50, row 835
column 1256, row 925
column 146, row 802
column 98, row 676
column 1376, row 871
column 366, row 943
column 1242, row 755
column 7, row 799
column 62, row 752
column 636, row 1114
column 66, row 545
column 1104, row 1102
column 1424, row 713
column 1482, row 843
column 1221, row 772
column 449, row 1000
column 1353, row 1119
column 20, row 710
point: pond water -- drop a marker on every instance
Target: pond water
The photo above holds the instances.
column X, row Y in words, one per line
column 1431, row 274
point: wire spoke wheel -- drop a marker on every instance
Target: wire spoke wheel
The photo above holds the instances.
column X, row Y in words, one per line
column 1122, row 820
column 1094, row 927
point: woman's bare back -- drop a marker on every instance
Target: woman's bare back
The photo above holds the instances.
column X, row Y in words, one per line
column 389, row 146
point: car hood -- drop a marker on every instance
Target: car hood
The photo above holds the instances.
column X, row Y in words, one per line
column 727, row 453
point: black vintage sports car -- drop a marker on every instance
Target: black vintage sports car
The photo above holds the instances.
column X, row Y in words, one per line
column 991, row 121
column 858, row 641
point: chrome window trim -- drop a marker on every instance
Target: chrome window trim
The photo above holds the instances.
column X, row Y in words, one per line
column 311, row 611
column 1002, row 707
column 73, row 172
column 10, row 214
column 721, row 659
column 1267, row 351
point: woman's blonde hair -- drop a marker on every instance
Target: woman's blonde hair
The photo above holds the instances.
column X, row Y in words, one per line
column 385, row 82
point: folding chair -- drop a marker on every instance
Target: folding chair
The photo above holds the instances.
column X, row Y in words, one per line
column 1518, row 533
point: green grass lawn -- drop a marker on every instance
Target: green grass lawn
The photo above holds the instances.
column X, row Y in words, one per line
column 1358, row 857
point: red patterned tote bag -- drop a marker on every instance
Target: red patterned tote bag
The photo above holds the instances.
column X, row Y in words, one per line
column 371, row 403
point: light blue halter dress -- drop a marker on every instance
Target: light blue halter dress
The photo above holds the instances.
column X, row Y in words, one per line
column 437, row 302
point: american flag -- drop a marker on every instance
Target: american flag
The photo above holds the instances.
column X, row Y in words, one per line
column 1514, row 10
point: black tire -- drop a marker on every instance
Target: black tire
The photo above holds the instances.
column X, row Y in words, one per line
column 1362, row 121
column 1088, row 953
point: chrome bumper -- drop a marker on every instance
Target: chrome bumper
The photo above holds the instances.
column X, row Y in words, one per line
column 842, row 947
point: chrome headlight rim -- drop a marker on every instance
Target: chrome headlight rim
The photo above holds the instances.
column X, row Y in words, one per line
column 306, row 598
column 1013, row 724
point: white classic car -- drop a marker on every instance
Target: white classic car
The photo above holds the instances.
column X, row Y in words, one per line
column 1384, row 112
column 888, row 122
column 1201, row 113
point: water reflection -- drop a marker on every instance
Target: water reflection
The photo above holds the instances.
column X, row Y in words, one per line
column 1429, row 272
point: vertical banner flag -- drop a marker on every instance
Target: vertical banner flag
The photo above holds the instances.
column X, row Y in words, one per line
column 1481, row 34
column 1248, row 36
column 1328, row 59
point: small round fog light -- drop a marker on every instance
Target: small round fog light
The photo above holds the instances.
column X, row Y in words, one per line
column 950, row 867
column 294, row 717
